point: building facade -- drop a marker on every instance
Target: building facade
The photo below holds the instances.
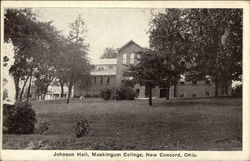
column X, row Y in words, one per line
column 103, row 76
column 108, row 73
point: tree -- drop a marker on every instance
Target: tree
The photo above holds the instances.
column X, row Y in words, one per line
column 61, row 60
column 35, row 44
column 45, row 71
column 27, row 36
column 207, row 41
column 169, row 40
column 216, row 48
column 109, row 53
column 149, row 71
column 77, row 64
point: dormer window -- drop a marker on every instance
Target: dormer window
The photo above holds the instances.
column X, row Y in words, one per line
column 132, row 58
column 124, row 59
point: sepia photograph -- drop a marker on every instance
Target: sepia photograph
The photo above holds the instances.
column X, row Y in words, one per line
column 122, row 79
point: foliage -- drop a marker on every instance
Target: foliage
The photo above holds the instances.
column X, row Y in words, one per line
column 19, row 119
column 129, row 83
column 91, row 95
column 81, row 127
column 42, row 53
column 22, row 30
column 109, row 53
column 77, row 66
column 237, row 90
column 42, row 126
column 35, row 46
column 45, row 72
column 208, row 41
column 170, row 42
column 123, row 93
column 216, row 48
column 106, row 93
column 152, row 69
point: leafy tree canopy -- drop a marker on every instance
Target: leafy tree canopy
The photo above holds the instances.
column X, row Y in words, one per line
column 109, row 53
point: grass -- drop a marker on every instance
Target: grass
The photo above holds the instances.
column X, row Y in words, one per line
column 183, row 124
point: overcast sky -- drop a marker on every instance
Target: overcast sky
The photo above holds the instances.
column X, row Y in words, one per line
column 106, row 27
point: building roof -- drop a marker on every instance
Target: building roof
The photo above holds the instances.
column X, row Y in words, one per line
column 103, row 72
column 131, row 41
column 105, row 62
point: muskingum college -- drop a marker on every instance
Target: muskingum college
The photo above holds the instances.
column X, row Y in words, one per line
column 108, row 73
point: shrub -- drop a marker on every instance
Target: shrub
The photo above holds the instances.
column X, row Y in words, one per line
column 130, row 94
column 19, row 118
column 106, row 94
column 8, row 116
column 237, row 90
column 81, row 127
column 42, row 126
column 123, row 93
column 91, row 96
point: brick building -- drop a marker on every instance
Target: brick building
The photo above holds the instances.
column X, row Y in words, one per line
column 108, row 73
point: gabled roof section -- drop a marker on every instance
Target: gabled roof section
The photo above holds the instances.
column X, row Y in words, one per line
column 131, row 41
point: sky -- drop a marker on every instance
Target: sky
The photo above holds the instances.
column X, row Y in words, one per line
column 106, row 27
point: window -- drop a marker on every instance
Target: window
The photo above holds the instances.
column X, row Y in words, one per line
column 108, row 80
column 101, row 80
column 195, row 82
column 94, row 80
column 100, row 68
column 182, row 94
column 207, row 93
column 110, row 67
column 182, row 79
column 182, row 82
column 124, row 59
column 63, row 95
column 56, row 95
column 132, row 58
column 207, row 81
column 195, row 94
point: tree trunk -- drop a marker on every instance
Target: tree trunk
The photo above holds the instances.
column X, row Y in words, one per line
column 69, row 93
column 167, row 92
column 226, row 88
column 45, row 92
column 43, row 96
column 216, row 87
column 150, row 96
column 28, row 94
column 16, row 80
column 61, row 84
column 175, row 89
column 25, row 82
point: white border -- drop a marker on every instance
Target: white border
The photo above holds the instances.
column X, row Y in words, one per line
column 202, row 155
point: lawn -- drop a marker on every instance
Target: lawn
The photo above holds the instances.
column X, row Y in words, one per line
column 183, row 124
